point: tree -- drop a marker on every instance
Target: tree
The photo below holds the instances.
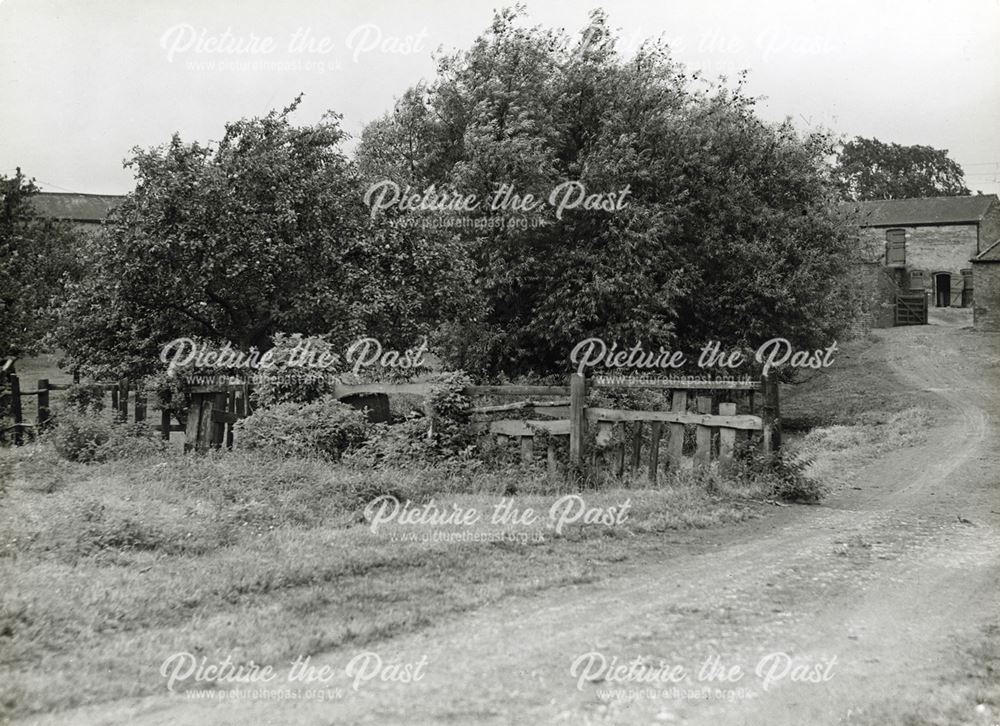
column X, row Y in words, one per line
column 264, row 231
column 38, row 257
column 870, row 169
column 730, row 230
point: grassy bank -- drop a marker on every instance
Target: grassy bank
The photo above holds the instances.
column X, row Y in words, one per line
column 113, row 567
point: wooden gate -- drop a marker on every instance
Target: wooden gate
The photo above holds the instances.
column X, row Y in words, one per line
column 911, row 309
column 211, row 416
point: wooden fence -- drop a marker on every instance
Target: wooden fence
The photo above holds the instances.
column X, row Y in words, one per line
column 710, row 408
column 120, row 394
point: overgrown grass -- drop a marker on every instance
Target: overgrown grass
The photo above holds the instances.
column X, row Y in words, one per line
column 112, row 567
column 859, row 382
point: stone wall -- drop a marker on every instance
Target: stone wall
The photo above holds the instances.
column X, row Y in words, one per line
column 945, row 248
column 986, row 302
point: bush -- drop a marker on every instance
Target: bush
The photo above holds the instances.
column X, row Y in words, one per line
column 90, row 438
column 403, row 444
column 85, row 397
column 283, row 384
column 783, row 475
column 324, row 428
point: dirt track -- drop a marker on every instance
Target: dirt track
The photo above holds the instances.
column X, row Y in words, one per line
column 886, row 578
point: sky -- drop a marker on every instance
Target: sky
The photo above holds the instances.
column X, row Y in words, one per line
column 83, row 82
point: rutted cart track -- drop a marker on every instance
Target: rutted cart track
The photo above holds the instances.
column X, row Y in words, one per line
column 897, row 578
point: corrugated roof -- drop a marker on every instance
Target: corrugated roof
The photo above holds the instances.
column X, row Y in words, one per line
column 990, row 254
column 75, row 207
column 928, row 210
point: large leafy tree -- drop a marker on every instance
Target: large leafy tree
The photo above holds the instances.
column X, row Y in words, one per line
column 264, row 231
column 871, row 169
column 730, row 231
column 38, row 258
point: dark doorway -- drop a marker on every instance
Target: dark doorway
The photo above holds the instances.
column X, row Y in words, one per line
column 942, row 284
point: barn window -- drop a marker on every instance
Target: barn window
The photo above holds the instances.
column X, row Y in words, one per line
column 895, row 247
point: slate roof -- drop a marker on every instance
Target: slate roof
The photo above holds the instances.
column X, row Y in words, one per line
column 75, row 207
column 924, row 211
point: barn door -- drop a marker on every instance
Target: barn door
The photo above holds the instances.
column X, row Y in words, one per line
column 895, row 248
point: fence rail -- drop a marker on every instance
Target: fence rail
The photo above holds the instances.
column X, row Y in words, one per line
column 119, row 394
column 709, row 407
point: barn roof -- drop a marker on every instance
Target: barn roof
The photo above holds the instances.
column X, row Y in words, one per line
column 75, row 207
column 990, row 254
column 928, row 210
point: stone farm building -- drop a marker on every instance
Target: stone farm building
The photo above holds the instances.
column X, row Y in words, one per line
column 927, row 244
column 986, row 303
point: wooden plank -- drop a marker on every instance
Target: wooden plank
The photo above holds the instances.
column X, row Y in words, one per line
column 678, row 383
column 512, row 427
column 771, row 414
column 224, row 417
column 703, row 434
column 675, row 446
column 636, row 446
column 577, row 419
column 527, row 449
column 165, row 427
column 123, row 400
column 218, row 388
column 231, row 409
column 43, row 402
column 746, row 422
column 518, row 405
column 517, row 390
column 655, row 432
column 727, row 437
column 342, row 390
column 15, row 409
column 205, row 424
column 193, row 422
column 219, row 427
column 550, row 460
column 553, row 412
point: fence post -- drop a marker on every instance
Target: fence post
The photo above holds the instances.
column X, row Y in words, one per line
column 140, row 406
column 527, row 449
column 165, row 424
column 655, row 430
column 577, row 405
column 193, row 423
column 15, row 409
column 703, row 435
column 123, row 400
column 636, row 445
column 727, row 437
column 550, row 459
column 231, row 407
column 675, row 447
column 770, row 414
column 43, row 403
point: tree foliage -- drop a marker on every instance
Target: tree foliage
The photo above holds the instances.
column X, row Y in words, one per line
column 730, row 231
column 38, row 258
column 871, row 169
column 264, row 231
